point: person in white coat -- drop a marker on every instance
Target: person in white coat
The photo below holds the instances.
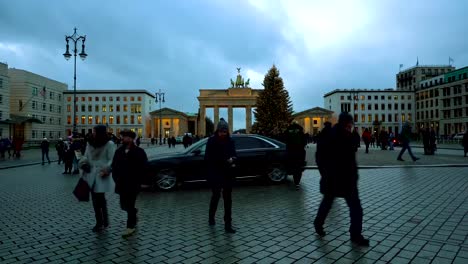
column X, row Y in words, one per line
column 96, row 169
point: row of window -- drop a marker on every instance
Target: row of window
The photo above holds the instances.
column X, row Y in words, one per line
column 90, row 120
column 1, row 83
column 138, row 131
column 427, row 104
column 376, row 97
column 51, row 120
column 43, row 92
column 134, row 108
column 383, row 118
column 104, row 99
column 36, row 134
column 456, row 113
column 346, row 107
column 35, row 106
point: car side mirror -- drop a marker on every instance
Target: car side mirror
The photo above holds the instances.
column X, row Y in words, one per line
column 196, row 152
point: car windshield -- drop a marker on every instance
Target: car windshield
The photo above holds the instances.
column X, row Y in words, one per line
column 195, row 146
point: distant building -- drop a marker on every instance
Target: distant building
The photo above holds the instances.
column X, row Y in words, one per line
column 442, row 103
column 4, row 101
column 36, row 106
column 117, row 109
column 374, row 109
column 312, row 120
column 173, row 123
column 410, row 79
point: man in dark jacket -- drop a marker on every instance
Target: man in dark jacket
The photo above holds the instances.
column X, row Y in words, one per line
column 220, row 156
column 128, row 168
column 60, row 148
column 45, row 150
column 295, row 143
column 339, row 172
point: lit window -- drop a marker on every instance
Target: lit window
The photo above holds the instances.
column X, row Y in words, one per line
column 104, row 108
column 139, row 98
column 104, row 120
column 96, row 119
column 90, row 120
column 69, row 98
column 83, row 119
column 125, row 108
column 139, row 120
column 132, row 98
column 68, row 108
column 111, row 108
column 111, row 120
column 125, row 120
column 125, row 98
column 69, row 120
column 132, row 119
column 83, row 99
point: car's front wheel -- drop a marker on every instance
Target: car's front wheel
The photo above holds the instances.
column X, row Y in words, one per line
column 277, row 173
column 165, row 180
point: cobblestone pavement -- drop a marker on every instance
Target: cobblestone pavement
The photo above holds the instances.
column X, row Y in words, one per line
column 416, row 215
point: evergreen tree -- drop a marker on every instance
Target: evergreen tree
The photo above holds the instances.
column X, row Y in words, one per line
column 209, row 126
column 274, row 108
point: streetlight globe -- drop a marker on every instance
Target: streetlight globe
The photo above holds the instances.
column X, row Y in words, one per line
column 67, row 55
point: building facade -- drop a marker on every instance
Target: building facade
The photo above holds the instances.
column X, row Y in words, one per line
column 374, row 109
column 167, row 122
column 4, row 101
column 36, row 106
column 117, row 109
column 312, row 120
column 410, row 79
column 442, row 103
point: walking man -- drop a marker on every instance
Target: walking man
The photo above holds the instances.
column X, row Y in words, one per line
column 336, row 160
column 128, row 169
column 220, row 156
column 295, row 143
column 60, row 148
column 45, row 150
column 366, row 137
column 405, row 140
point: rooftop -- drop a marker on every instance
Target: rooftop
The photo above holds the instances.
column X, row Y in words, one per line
column 125, row 91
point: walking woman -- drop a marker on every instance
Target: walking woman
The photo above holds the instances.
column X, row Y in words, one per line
column 96, row 165
column 220, row 158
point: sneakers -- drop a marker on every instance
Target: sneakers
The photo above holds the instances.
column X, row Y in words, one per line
column 360, row 240
column 298, row 187
column 97, row 228
column 229, row 229
column 319, row 230
column 128, row 232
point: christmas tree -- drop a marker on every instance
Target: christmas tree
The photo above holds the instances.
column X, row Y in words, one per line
column 274, row 108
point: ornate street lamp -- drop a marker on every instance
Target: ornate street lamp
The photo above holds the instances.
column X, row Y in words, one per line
column 75, row 39
column 160, row 99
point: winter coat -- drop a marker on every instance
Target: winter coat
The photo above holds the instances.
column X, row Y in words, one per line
column 366, row 137
column 337, row 163
column 45, row 146
column 217, row 154
column 465, row 142
column 129, row 169
column 98, row 159
column 296, row 141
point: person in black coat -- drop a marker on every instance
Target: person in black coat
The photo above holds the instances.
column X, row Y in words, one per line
column 220, row 156
column 45, row 150
column 295, row 151
column 339, row 177
column 128, row 169
column 465, row 143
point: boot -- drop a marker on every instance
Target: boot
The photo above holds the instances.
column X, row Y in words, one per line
column 360, row 240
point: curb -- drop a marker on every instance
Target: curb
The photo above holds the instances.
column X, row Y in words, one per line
column 24, row 165
column 366, row 167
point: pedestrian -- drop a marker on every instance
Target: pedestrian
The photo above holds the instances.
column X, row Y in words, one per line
column 465, row 143
column 356, row 138
column 138, row 141
column 366, row 137
column 405, row 140
column 9, row 145
column 2, row 148
column 372, row 142
column 391, row 137
column 174, row 141
column 383, row 140
column 45, row 150
column 432, row 141
column 96, row 166
column 77, row 150
column 220, row 156
column 129, row 167
column 339, row 178
column 60, row 148
column 68, row 157
column 426, row 141
column 295, row 140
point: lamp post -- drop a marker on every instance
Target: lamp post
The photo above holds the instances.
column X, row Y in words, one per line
column 75, row 39
column 160, row 99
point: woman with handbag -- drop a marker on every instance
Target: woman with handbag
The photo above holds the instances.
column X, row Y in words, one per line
column 96, row 165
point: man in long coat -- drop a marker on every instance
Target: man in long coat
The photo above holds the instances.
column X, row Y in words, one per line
column 336, row 160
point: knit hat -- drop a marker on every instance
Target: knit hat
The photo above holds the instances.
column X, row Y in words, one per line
column 222, row 125
column 345, row 118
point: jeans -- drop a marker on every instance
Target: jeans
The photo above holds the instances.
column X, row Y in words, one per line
column 45, row 153
column 405, row 147
column 227, row 197
column 355, row 212
column 127, row 203
column 100, row 208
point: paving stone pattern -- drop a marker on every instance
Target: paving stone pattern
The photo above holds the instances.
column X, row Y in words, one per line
column 411, row 215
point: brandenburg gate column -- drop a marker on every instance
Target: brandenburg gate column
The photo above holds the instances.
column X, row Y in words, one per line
column 202, row 124
column 248, row 119
column 216, row 116
column 230, row 119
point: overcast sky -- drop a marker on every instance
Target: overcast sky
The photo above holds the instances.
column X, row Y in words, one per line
column 183, row 46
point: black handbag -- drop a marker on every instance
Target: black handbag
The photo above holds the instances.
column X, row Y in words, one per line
column 82, row 191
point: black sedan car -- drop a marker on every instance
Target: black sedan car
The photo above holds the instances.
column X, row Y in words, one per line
column 257, row 156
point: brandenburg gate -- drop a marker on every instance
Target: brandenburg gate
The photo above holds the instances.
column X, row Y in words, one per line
column 239, row 95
